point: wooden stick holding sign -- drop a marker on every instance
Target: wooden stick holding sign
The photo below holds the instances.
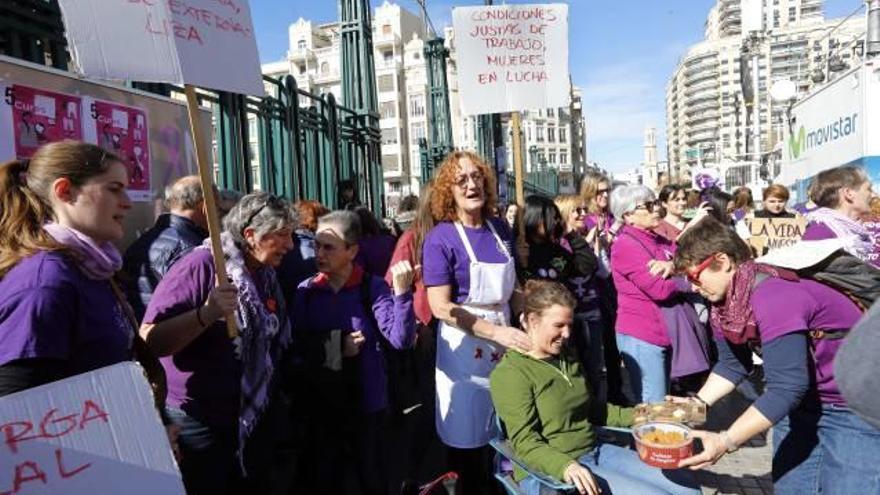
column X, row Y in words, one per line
column 207, row 181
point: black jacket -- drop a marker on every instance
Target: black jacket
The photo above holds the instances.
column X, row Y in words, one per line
column 151, row 256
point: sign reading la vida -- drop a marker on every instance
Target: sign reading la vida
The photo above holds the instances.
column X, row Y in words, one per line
column 768, row 234
column 512, row 57
column 206, row 43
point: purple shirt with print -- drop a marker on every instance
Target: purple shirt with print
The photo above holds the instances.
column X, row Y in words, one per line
column 445, row 260
column 50, row 309
column 204, row 378
column 809, row 305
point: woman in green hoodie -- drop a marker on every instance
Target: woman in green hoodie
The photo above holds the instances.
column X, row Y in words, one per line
column 544, row 403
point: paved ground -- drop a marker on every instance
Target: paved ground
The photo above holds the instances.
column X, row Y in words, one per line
column 746, row 471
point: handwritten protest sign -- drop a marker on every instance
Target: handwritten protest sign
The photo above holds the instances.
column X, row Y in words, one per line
column 124, row 130
column 35, row 117
column 93, row 433
column 768, row 234
column 512, row 57
column 207, row 43
column 873, row 228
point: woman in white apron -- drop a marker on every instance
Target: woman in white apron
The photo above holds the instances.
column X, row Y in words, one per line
column 469, row 271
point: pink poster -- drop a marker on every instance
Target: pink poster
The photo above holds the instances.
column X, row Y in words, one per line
column 123, row 130
column 40, row 117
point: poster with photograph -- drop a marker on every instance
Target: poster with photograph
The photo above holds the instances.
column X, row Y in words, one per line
column 32, row 117
column 123, row 130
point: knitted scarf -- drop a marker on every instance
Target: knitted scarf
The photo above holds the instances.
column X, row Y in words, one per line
column 97, row 261
column 734, row 317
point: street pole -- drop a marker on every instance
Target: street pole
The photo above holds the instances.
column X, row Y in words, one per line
column 498, row 156
column 756, row 105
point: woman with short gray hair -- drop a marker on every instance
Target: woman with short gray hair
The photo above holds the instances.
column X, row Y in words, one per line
column 220, row 389
column 641, row 266
column 341, row 316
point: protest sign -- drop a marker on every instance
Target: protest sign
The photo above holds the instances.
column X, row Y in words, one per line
column 512, row 57
column 98, row 432
column 123, row 130
column 768, row 234
column 34, row 117
column 207, row 43
column 873, row 228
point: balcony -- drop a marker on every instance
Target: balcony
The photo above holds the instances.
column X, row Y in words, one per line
column 386, row 40
column 701, row 106
column 699, row 77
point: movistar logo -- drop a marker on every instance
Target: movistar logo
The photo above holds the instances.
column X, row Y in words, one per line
column 834, row 130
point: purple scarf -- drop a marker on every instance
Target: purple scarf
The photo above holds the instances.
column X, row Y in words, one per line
column 859, row 242
column 734, row 317
column 97, row 261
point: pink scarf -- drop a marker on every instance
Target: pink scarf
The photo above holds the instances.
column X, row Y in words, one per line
column 97, row 261
column 734, row 317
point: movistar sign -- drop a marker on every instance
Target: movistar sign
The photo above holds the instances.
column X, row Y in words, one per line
column 805, row 140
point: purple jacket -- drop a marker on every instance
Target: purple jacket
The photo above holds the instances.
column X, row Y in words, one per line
column 639, row 292
column 318, row 308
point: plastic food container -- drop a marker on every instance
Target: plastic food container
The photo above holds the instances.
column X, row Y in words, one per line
column 663, row 455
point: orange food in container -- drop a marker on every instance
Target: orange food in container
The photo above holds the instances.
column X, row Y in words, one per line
column 663, row 445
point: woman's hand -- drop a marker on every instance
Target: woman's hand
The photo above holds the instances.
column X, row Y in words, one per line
column 582, row 479
column 702, row 211
column 402, row 276
column 222, row 301
column 713, row 449
column 512, row 338
column 351, row 344
column 173, row 431
column 662, row 269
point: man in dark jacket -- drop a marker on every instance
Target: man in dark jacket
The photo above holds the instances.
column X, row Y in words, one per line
column 149, row 258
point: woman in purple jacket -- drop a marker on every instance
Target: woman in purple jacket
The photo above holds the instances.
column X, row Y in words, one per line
column 641, row 266
column 342, row 317
column 819, row 445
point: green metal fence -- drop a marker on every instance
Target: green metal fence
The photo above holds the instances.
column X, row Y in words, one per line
column 542, row 183
column 305, row 145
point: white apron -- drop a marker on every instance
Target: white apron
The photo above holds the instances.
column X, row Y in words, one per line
column 464, row 406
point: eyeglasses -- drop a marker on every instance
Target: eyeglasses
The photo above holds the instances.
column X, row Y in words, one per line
column 650, row 207
column 580, row 210
column 694, row 275
column 276, row 202
column 602, row 191
column 462, row 180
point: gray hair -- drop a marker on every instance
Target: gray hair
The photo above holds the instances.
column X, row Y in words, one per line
column 261, row 211
column 184, row 194
column 347, row 223
column 624, row 199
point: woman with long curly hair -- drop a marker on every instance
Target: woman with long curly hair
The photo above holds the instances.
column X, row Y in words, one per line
column 468, row 269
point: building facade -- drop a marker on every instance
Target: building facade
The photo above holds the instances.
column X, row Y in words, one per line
column 709, row 121
column 555, row 137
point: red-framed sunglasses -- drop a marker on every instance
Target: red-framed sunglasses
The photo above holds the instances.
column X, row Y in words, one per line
column 694, row 276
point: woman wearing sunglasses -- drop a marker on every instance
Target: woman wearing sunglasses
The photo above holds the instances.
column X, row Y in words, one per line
column 653, row 321
column 220, row 390
column 820, row 446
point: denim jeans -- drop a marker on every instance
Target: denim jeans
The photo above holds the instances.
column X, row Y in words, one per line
column 826, row 450
column 647, row 366
column 592, row 354
column 208, row 463
column 619, row 470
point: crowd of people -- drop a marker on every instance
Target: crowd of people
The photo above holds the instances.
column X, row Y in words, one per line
column 537, row 322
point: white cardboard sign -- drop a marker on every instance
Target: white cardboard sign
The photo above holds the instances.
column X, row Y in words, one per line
column 512, row 57
column 98, row 432
column 206, row 43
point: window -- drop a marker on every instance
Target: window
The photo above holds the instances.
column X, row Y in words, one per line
column 563, row 135
column 387, row 110
column 394, row 186
column 390, row 163
column 792, row 14
column 252, row 128
column 552, row 156
column 389, row 136
column 563, row 158
column 551, row 134
column 417, row 105
column 325, row 68
column 550, row 112
column 301, row 45
column 540, row 134
column 302, row 68
column 386, row 29
column 386, row 83
column 417, row 132
column 388, row 56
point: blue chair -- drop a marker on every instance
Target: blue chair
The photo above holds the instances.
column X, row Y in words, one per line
column 505, row 457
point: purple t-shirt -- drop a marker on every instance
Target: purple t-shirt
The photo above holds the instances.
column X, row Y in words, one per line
column 204, row 379
column 445, row 260
column 50, row 309
column 808, row 305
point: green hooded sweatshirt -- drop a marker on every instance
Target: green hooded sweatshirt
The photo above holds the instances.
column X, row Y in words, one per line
column 546, row 410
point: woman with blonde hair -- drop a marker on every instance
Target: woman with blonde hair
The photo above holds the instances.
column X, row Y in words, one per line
column 468, row 269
